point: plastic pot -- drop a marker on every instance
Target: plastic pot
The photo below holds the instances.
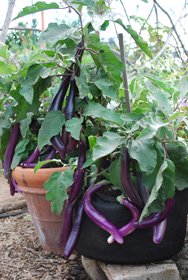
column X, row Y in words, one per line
column 138, row 247
column 48, row 225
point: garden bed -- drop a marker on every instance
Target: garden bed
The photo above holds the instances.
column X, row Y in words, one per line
column 21, row 256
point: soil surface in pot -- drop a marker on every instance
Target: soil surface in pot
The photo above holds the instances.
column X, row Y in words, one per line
column 22, row 258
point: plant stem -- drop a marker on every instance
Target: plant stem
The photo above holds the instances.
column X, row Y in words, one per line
column 125, row 80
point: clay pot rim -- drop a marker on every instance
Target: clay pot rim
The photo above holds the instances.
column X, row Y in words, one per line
column 40, row 170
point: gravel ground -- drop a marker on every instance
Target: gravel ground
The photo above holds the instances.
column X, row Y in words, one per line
column 22, row 258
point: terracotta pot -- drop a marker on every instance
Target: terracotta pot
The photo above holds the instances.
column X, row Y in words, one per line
column 48, row 225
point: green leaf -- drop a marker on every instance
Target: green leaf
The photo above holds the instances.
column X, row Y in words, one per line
column 177, row 152
column 51, row 126
column 98, row 111
column 4, row 51
column 24, row 124
column 56, row 32
column 74, row 127
column 106, row 144
column 88, row 3
column 105, row 25
column 163, row 189
column 137, row 38
column 115, row 174
column 42, row 163
column 27, row 90
column 21, row 152
column 160, row 84
column 161, row 99
column 6, row 68
column 37, row 7
column 56, row 187
column 106, row 59
column 107, row 88
column 82, row 82
column 143, row 151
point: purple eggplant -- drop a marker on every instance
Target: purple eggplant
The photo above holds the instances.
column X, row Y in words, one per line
column 97, row 217
column 156, row 218
column 10, row 149
column 28, row 165
column 33, row 157
column 128, row 228
column 126, row 181
column 59, row 146
column 73, row 237
column 74, row 193
column 159, row 231
column 69, row 108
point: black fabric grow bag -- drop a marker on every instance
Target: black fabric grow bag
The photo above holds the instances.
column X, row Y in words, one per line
column 138, row 247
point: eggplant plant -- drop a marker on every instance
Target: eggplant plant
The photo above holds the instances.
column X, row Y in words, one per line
column 68, row 104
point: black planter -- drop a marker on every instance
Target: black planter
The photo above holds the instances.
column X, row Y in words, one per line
column 138, row 247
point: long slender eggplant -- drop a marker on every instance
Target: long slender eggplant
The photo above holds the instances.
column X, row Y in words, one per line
column 73, row 237
column 159, row 231
column 34, row 126
column 96, row 216
column 69, row 108
column 10, row 149
column 28, row 165
column 156, row 218
column 58, row 145
column 13, row 186
column 126, row 181
column 74, row 193
column 72, row 143
column 34, row 156
column 128, row 228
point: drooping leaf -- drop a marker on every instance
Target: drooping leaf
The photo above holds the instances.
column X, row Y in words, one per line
column 143, row 151
column 37, row 7
column 163, row 188
column 136, row 37
column 74, row 127
column 56, row 187
column 24, row 124
column 51, row 126
column 115, row 174
column 106, row 144
column 21, row 152
column 56, row 32
column 107, row 88
column 82, row 83
column 98, row 111
column 105, row 25
column 27, row 90
column 6, row 69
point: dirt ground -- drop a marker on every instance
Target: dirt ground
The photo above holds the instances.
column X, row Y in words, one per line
column 22, row 258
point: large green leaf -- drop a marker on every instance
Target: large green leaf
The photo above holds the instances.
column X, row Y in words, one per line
column 143, row 151
column 6, row 68
column 163, row 188
column 115, row 174
column 98, row 111
column 24, row 124
column 161, row 99
column 178, row 153
column 137, row 38
column 107, row 88
column 74, row 127
column 56, row 32
column 82, row 82
column 106, row 144
column 37, row 7
column 56, row 187
column 105, row 59
column 183, row 86
column 51, row 126
column 27, row 90
column 21, row 152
